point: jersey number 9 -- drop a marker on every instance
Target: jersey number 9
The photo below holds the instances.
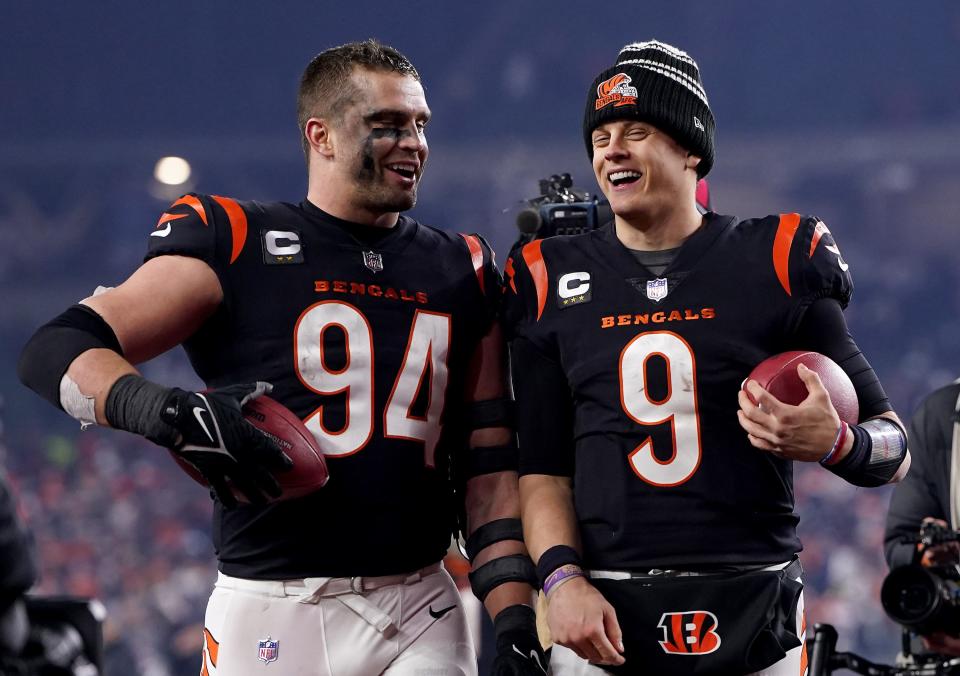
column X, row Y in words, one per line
column 678, row 407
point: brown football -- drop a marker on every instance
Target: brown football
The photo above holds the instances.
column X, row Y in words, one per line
column 309, row 472
column 778, row 376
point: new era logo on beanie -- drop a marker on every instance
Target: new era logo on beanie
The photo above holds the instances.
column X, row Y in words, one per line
column 656, row 83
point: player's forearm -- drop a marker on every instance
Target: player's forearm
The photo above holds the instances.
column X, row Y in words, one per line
column 549, row 519
column 509, row 594
column 491, row 497
column 94, row 372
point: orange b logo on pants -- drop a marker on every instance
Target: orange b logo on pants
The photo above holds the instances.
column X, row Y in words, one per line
column 689, row 633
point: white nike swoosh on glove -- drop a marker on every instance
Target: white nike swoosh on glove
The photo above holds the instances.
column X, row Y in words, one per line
column 533, row 656
column 196, row 414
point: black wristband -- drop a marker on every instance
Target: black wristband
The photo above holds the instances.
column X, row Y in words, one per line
column 492, row 532
column 879, row 447
column 134, row 404
column 553, row 558
column 515, row 618
column 54, row 346
column 858, row 452
column 512, row 568
column 490, row 413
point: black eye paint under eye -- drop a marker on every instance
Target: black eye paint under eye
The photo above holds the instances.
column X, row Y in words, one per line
column 389, row 132
column 367, row 164
column 366, row 154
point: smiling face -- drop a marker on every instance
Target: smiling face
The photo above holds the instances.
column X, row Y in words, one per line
column 366, row 155
column 643, row 172
column 379, row 142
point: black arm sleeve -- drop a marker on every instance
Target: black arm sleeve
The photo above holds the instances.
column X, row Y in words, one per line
column 544, row 411
column 50, row 351
column 823, row 329
column 925, row 491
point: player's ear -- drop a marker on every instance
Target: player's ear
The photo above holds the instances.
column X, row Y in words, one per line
column 317, row 131
column 692, row 161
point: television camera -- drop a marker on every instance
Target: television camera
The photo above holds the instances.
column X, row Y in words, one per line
column 562, row 209
column 926, row 598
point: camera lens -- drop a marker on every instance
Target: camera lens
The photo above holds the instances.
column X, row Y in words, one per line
column 910, row 595
column 915, row 600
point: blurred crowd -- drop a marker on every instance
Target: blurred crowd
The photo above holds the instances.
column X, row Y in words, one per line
column 116, row 519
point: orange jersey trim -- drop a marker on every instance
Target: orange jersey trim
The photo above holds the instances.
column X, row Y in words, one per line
column 165, row 217
column 538, row 270
column 818, row 232
column 238, row 224
column 194, row 204
column 476, row 256
column 511, row 273
column 786, row 231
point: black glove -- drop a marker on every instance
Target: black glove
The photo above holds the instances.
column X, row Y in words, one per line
column 518, row 648
column 217, row 440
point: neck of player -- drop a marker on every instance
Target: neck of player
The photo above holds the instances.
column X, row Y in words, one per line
column 336, row 205
column 658, row 230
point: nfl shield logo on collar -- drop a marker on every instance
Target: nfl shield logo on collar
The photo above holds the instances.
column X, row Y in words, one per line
column 267, row 650
column 657, row 289
column 373, row 261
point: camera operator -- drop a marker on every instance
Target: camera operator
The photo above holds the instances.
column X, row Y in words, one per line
column 18, row 572
column 929, row 493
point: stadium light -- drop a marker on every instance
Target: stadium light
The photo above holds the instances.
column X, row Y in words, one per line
column 172, row 170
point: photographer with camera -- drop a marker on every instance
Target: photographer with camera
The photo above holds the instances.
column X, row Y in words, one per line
column 927, row 502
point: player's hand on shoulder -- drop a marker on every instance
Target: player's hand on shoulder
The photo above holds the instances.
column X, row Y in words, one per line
column 225, row 448
column 581, row 619
column 519, row 652
column 805, row 432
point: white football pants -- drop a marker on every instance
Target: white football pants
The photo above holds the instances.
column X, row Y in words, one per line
column 400, row 625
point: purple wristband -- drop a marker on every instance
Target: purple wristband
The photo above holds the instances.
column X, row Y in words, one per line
column 559, row 575
column 841, row 437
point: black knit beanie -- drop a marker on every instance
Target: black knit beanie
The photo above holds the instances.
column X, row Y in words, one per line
column 656, row 83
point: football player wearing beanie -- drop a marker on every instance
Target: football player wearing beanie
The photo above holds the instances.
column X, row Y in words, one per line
column 657, row 496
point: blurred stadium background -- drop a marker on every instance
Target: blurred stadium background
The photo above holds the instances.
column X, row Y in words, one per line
column 848, row 110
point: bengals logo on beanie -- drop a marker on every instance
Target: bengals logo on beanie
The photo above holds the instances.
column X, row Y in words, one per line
column 616, row 90
column 660, row 84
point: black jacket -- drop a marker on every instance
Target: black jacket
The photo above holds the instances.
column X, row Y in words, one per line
column 926, row 489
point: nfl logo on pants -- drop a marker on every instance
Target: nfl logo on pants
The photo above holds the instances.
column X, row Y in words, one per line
column 268, row 650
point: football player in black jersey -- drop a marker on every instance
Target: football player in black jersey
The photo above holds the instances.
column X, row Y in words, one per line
column 656, row 496
column 376, row 330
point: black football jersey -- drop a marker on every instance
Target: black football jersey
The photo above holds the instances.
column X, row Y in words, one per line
column 628, row 383
column 368, row 343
